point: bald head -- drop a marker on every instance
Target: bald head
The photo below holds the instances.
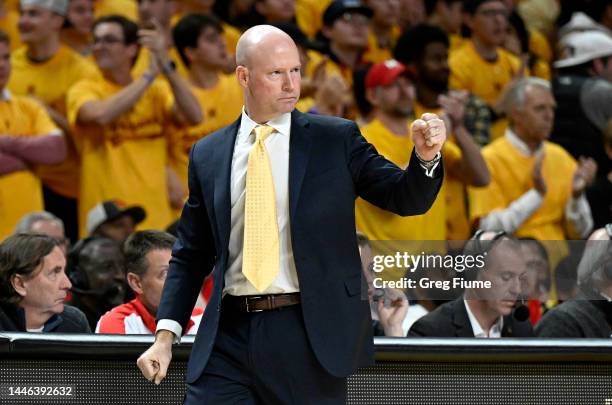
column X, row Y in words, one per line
column 257, row 39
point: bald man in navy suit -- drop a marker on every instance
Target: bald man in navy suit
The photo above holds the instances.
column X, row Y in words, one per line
column 298, row 340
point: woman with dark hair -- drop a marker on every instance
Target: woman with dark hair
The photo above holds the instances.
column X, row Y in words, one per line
column 33, row 287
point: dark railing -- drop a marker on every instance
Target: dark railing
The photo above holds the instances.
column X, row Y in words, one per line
column 101, row 369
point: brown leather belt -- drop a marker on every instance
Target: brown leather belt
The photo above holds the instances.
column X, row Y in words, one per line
column 259, row 303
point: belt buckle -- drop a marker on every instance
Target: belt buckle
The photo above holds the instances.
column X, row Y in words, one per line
column 246, row 301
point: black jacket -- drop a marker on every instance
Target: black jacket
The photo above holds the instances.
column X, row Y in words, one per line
column 577, row 318
column 72, row 320
column 451, row 320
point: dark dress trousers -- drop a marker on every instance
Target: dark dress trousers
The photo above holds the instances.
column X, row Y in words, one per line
column 330, row 165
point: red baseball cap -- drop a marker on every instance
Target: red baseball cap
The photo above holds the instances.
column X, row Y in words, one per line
column 385, row 73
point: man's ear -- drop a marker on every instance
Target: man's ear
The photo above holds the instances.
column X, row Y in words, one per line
column 242, row 74
column 370, row 94
column 134, row 282
column 18, row 283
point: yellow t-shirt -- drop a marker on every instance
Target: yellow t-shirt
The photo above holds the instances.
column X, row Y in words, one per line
column 127, row 159
column 50, row 82
column 456, row 42
column 539, row 46
column 375, row 53
column 331, row 67
column 309, row 15
column 221, row 106
column 379, row 224
column 481, row 78
column 21, row 192
column 126, row 8
column 511, row 178
column 457, row 221
column 8, row 24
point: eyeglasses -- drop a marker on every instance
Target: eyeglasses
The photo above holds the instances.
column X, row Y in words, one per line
column 107, row 40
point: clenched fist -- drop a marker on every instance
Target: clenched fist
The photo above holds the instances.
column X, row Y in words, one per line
column 428, row 135
column 155, row 361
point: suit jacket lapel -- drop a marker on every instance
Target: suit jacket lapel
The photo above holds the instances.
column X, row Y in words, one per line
column 223, row 168
column 299, row 153
column 461, row 319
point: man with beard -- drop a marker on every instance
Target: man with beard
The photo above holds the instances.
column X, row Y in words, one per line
column 390, row 89
column 426, row 48
column 96, row 270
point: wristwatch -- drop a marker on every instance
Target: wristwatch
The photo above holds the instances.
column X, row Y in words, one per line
column 168, row 67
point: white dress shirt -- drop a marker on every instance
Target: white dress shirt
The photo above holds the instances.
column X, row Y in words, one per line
column 277, row 146
column 494, row 332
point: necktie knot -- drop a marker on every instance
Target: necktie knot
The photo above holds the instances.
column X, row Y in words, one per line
column 262, row 132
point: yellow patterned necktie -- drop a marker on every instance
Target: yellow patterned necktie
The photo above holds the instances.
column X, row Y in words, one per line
column 261, row 250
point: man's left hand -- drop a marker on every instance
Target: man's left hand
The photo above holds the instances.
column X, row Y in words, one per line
column 583, row 176
column 428, row 135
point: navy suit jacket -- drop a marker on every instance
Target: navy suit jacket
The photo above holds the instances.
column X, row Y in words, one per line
column 330, row 165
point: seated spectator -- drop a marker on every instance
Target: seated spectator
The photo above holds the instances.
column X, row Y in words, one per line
column 566, row 278
column 29, row 137
column 589, row 315
column 390, row 89
column 600, row 193
column 537, row 188
column 113, row 220
column 9, row 17
column 517, row 41
column 147, row 257
column 76, row 32
column 482, row 66
column 392, row 315
column 120, row 122
column 274, row 11
column 44, row 223
column 583, row 90
column 201, row 46
column 426, row 48
column 33, row 286
column 446, row 15
column 345, row 33
column 96, row 270
column 484, row 312
column 42, row 57
column 384, row 29
column 536, row 288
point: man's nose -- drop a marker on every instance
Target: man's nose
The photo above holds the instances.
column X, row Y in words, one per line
column 288, row 82
column 66, row 284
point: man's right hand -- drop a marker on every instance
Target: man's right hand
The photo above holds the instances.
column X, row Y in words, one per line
column 155, row 361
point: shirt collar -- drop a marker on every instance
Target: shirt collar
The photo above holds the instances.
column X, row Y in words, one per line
column 518, row 143
column 495, row 330
column 281, row 124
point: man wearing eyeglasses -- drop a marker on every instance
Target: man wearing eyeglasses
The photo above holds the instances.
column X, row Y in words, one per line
column 119, row 121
